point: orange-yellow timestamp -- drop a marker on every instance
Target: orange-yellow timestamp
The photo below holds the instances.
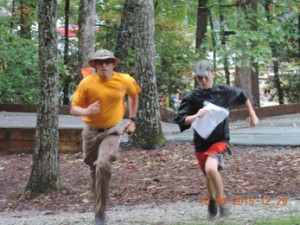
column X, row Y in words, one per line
column 239, row 201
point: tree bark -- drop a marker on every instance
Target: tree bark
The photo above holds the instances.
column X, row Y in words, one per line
column 45, row 174
column 86, row 34
column 25, row 19
column 243, row 76
column 254, row 65
column 67, row 79
column 224, row 46
column 275, row 56
column 148, row 132
column 126, row 30
column 202, row 20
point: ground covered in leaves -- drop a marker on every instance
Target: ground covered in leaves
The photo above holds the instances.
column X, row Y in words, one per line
column 167, row 174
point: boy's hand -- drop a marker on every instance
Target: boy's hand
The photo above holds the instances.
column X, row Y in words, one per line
column 253, row 120
column 201, row 112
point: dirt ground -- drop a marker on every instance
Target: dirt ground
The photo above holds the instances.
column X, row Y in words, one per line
column 165, row 175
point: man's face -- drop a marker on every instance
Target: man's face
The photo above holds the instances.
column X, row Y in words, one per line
column 205, row 82
column 105, row 67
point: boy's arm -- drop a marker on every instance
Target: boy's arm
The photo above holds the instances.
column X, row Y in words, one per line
column 252, row 115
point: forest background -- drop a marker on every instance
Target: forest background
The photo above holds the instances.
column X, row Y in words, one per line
column 158, row 43
column 256, row 40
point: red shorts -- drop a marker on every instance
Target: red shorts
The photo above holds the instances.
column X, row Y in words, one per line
column 219, row 147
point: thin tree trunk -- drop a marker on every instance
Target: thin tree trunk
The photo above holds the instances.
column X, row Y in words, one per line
column 45, row 175
column 148, row 132
column 67, row 79
column 25, row 21
column 126, row 30
column 224, row 45
column 254, row 65
column 243, row 77
column 202, row 20
column 86, row 34
column 275, row 59
column 213, row 39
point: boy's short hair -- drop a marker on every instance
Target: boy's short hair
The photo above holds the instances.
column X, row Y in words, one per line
column 202, row 68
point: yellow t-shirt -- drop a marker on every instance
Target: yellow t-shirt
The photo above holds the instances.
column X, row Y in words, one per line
column 110, row 93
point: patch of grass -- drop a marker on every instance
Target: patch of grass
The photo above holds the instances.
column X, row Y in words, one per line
column 294, row 220
column 283, row 221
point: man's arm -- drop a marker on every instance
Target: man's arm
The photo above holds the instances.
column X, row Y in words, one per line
column 252, row 115
column 133, row 102
column 92, row 109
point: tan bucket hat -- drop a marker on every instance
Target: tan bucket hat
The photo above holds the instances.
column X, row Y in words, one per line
column 103, row 54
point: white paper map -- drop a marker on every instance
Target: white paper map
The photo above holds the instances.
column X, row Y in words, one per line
column 205, row 125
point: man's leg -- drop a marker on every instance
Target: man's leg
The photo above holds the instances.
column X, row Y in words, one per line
column 107, row 153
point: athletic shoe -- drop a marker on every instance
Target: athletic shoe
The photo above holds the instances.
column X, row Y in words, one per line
column 224, row 212
column 212, row 209
column 99, row 219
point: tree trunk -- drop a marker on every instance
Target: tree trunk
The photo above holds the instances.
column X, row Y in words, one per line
column 275, row 59
column 148, row 132
column 67, row 79
column 254, row 65
column 299, row 31
column 202, row 19
column 45, row 175
column 243, row 76
column 126, row 30
column 25, row 20
column 224, row 46
column 86, row 34
column 213, row 40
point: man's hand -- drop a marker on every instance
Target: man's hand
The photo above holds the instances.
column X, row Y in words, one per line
column 93, row 109
column 129, row 127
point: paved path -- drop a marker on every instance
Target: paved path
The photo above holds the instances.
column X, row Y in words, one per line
column 277, row 130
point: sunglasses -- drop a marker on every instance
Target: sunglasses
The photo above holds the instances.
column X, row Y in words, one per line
column 105, row 61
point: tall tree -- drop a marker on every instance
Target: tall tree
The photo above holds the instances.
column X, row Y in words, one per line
column 243, row 65
column 86, row 34
column 45, row 173
column 254, row 63
column 66, row 79
column 148, row 132
column 26, row 9
column 202, row 21
column 126, row 30
column 275, row 56
column 224, row 46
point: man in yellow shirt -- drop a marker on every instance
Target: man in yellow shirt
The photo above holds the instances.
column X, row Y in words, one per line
column 99, row 99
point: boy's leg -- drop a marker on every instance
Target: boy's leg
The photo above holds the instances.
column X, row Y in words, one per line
column 214, row 178
column 212, row 191
column 216, row 184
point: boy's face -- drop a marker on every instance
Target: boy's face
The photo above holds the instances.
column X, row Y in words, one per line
column 205, row 82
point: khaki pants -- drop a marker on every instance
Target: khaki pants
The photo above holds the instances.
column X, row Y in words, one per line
column 100, row 149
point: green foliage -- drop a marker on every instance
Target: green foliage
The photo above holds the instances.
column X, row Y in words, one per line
column 289, row 81
column 18, row 68
column 274, row 33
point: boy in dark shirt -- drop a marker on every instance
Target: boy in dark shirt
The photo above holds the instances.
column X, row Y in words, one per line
column 210, row 152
